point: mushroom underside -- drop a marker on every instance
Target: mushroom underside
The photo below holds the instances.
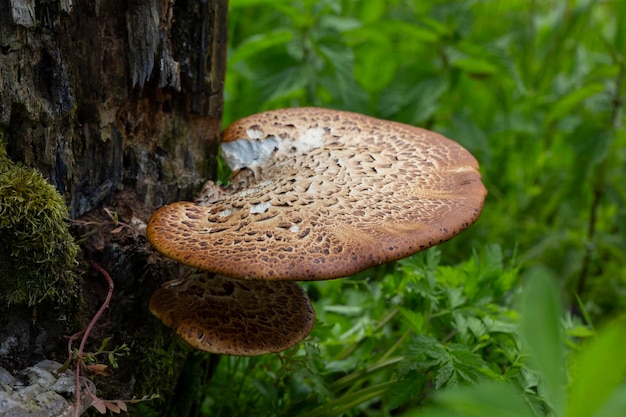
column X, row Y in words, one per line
column 227, row 316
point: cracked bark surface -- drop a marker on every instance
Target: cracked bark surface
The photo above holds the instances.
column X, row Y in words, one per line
column 117, row 104
column 99, row 96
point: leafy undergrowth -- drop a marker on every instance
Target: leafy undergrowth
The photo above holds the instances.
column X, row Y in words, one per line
column 535, row 90
column 384, row 347
column 585, row 381
column 432, row 340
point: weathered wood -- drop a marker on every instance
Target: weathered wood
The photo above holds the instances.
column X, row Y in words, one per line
column 117, row 103
column 104, row 95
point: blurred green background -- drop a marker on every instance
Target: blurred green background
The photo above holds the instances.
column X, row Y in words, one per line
column 535, row 90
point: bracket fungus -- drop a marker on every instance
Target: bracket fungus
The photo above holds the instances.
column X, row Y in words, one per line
column 234, row 317
column 319, row 194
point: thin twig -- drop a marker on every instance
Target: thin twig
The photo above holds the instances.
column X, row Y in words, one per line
column 79, row 355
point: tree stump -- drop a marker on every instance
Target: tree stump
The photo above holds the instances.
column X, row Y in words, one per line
column 118, row 104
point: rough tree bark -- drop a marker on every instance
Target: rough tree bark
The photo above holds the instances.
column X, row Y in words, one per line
column 118, row 104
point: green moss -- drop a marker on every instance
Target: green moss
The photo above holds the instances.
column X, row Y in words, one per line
column 37, row 252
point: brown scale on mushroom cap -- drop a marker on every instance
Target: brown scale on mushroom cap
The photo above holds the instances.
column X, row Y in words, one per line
column 335, row 193
column 233, row 317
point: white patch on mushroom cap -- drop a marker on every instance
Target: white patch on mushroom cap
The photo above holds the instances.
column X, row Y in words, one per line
column 265, row 183
column 246, row 192
column 244, row 153
column 254, row 150
column 255, row 133
column 226, row 213
column 311, row 139
column 259, row 208
column 294, row 229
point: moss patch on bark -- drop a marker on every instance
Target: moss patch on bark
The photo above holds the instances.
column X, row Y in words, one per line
column 37, row 252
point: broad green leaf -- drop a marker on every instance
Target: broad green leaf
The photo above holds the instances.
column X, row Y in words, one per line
column 423, row 347
column 592, row 144
column 598, row 370
column 489, row 399
column 542, row 332
column 259, row 43
column 285, row 82
column 615, row 405
column 455, row 297
column 375, row 64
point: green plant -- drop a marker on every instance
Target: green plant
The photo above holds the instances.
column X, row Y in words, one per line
column 584, row 383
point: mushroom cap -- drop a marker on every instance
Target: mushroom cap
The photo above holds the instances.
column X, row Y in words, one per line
column 332, row 193
column 245, row 318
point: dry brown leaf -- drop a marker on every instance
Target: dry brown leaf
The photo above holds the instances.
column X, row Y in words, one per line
column 100, row 369
column 99, row 405
column 111, row 405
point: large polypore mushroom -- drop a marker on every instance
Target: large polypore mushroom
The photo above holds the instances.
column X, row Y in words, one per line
column 320, row 194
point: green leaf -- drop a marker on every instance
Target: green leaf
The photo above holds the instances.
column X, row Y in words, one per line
column 406, row 390
column 450, row 364
column 415, row 319
column 423, row 347
column 103, row 345
column 592, row 144
column 567, row 105
column 598, row 370
column 455, row 297
column 412, row 103
column 345, row 310
column 489, row 399
column 375, row 64
column 542, row 332
column 258, row 43
column 112, row 360
column 476, row 326
column 615, row 405
column 475, row 66
column 349, row 401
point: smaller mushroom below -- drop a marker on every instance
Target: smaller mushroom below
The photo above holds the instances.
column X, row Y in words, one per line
column 234, row 317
